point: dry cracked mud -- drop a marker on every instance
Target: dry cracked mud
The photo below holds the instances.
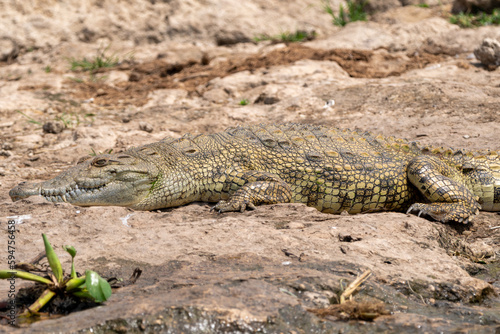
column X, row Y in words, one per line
column 185, row 66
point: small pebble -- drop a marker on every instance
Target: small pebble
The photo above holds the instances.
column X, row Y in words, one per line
column 328, row 104
column 53, row 127
column 146, row 127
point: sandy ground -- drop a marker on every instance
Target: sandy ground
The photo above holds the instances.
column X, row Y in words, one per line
column 407, row 73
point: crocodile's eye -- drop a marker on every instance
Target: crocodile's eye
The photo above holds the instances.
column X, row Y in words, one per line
column 100, row 162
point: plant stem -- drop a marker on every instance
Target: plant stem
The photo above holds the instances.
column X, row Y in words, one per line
column 354, row 285
column 7, row 274
column 41, row 301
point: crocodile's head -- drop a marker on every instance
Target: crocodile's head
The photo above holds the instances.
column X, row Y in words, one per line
column 107, row 179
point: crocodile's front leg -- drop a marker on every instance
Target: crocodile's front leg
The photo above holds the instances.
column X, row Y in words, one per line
column 449, row 199
column 258, row 188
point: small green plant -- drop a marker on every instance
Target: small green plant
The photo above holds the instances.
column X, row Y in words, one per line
column 75, row 79
column 30, row 119
column 91, row 286
column 461, row 19
column 72, row 119
column 297, row 36
column 47, row 69
column 244, row 102
column 65, row 120
column 94, row 153
column 422, row 5
column 469, row 20
column 355, row 12
column 101, row 60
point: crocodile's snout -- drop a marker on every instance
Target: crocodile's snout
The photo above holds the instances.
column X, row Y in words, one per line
column 119, row 179
column 24, row 190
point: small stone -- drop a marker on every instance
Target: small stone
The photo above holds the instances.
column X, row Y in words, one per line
column 7, row 146
column 265, row 99
column 481, row 250
column 224, row 37
column 101, row 92
column 343, row 237
column 4, row 153
column 9, row 49
column 146, row 127
column 488, row 53
column 329, row 104
column 134, row 77
column 53, row 127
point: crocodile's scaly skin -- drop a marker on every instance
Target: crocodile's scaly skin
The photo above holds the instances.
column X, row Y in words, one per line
column 330, row 169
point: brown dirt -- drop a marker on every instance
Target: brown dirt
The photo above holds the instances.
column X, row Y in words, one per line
column 159, row 74
column 410, row 74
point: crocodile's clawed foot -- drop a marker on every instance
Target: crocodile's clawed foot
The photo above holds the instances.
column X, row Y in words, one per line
column 444, row 212
column 232, row 206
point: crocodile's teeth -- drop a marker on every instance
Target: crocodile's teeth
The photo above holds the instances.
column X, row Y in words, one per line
column 63, row 196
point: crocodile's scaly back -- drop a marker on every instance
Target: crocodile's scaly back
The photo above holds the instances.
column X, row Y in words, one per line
column 330, row 169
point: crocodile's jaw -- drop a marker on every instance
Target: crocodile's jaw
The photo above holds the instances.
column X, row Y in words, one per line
column 117, row 179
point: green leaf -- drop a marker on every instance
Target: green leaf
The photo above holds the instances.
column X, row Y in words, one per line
column 54, row 262
column 8, row 274
column 97, row 286
column 75, row 283
column 82, row 294
column 72, row 251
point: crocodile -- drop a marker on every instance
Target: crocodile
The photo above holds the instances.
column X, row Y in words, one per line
column 333, row 170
